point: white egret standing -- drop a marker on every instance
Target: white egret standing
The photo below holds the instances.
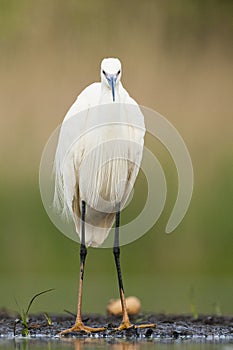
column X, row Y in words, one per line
column 79, row 182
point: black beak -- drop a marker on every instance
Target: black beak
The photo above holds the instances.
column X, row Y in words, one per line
column 112, row 82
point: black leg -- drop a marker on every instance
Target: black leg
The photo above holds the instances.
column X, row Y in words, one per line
column 116, row 251
column 83, row 254
column 83, row 249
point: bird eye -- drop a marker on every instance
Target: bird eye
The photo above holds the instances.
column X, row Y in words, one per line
column 118, row 72
column 104, row 72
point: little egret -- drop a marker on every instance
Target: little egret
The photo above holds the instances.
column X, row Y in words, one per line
column 93, row 187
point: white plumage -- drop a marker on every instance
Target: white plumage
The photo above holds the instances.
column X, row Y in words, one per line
column 99, row 153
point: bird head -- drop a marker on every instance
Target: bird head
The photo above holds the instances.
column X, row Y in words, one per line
column 111, row 73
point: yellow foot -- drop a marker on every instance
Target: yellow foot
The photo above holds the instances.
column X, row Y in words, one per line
column 124, row 325
column 78, row 327
column 128, row 325
column 149, row 325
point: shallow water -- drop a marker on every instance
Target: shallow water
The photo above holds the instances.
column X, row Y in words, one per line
column 90, row 344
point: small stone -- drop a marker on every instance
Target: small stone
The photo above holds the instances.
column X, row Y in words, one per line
column 149, row 332
column 133, row 306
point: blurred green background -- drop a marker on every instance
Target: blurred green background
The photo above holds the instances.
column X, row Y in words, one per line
column 177, row 59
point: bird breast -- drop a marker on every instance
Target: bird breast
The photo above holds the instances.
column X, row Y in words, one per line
column 106, row 165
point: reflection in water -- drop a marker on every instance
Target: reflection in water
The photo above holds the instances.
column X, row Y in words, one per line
column 75, row 344
column 90, row 344
column 111, row 344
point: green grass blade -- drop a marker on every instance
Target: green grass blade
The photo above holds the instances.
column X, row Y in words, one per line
column 36, row 296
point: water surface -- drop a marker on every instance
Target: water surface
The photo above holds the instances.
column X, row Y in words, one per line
column 111, row 344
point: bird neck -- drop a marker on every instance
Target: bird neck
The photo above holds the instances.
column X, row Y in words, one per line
column 106, row 94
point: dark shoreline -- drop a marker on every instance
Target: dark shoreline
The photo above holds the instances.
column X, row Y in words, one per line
column 168, row 327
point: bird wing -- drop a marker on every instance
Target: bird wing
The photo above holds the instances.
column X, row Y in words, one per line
column 72, row 128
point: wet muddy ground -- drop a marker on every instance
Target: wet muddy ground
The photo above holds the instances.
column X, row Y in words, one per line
column 167, row 326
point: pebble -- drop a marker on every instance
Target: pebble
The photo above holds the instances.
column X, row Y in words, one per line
column 133, row 305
